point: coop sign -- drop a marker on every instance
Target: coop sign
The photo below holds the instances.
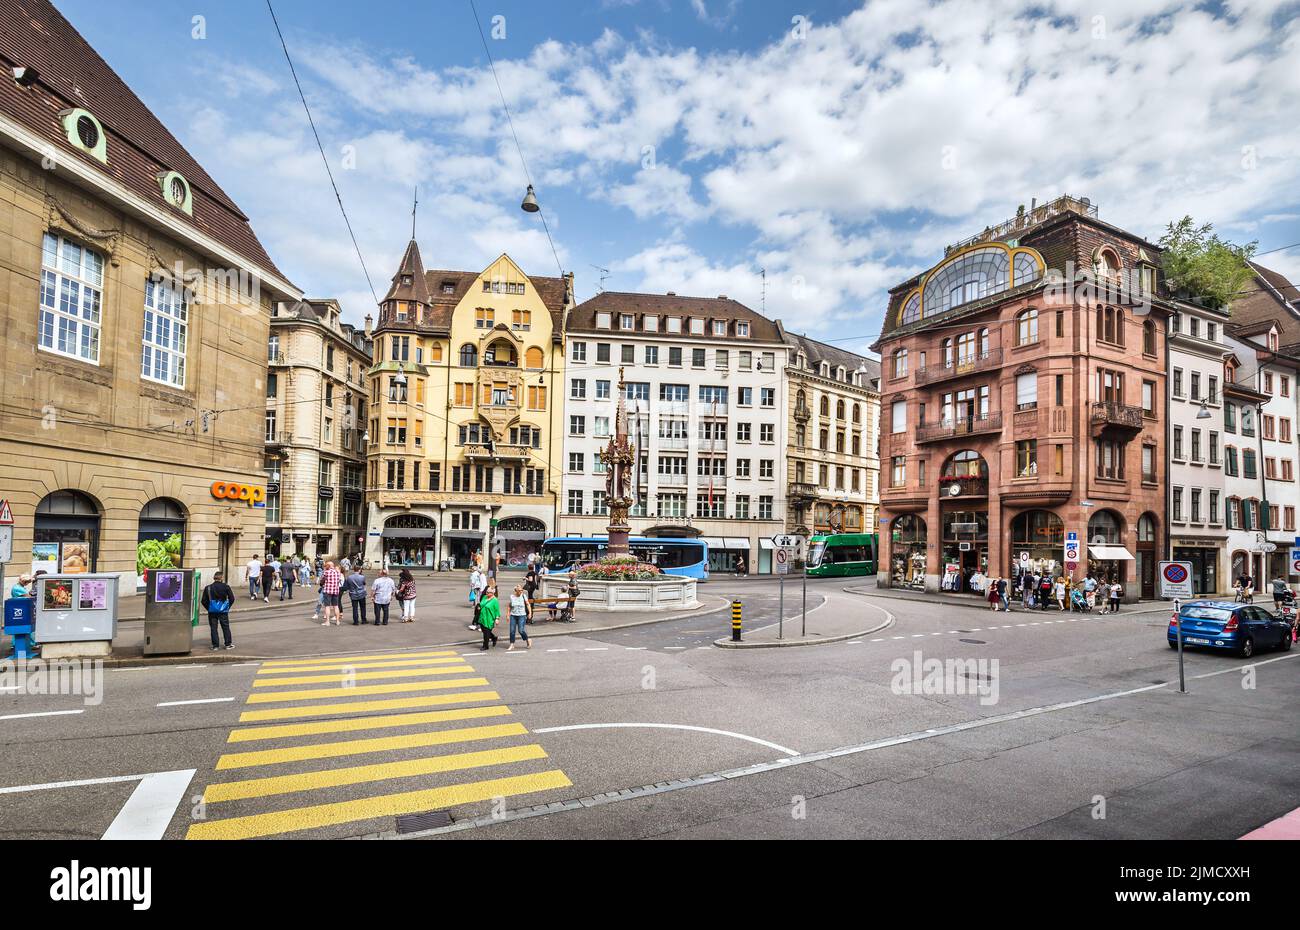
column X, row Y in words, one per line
column 233, row 491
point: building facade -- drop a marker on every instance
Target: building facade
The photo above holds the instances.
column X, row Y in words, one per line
column 136, row 312
column 1022, row 400
column 464, row 416
column 316, row 397
column 832, row 458
column 1197, row 502
column 707, row 408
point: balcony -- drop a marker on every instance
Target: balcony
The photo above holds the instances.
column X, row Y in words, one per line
column 985, row 361
column 802, row 413
column 674, row 442
column 959, row 486
column 801, row 491
column 278, row 439
column 1110, row 417
column 673, row 481
column 499, row 452
column 953, row 429
column 712, row 445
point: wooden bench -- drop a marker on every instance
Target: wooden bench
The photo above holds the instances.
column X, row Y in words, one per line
column 551, row 603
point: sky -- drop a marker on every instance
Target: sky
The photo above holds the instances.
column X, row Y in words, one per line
column 690, row 145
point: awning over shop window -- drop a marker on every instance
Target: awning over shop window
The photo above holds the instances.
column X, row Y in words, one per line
column 735, row 542
column 714, row 542
column 766, row 543
column 1110, row 553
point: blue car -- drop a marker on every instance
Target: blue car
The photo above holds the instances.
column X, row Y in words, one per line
column 1239, row 628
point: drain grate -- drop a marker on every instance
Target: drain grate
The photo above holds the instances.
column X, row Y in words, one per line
column 414, row 823
column 973, row 642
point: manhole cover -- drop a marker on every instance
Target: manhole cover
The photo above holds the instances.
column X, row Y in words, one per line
column 973, row 642
column 414, row 823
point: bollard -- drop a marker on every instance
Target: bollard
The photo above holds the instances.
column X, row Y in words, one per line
column 735, row 621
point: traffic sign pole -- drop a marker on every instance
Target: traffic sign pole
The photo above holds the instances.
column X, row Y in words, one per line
column 1178, row 628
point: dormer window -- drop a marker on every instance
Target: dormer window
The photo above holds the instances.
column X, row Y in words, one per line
column 626, row 321
column 719, row 327
column 1272, row 341
column 697, row 327
column 85, row 132
column 673, row 324
column 742, row 328
column 651, row 324
column 176, row 191
column 448, row 287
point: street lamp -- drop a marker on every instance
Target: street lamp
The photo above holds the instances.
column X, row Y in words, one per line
column 1204, row 412
column 530, row 204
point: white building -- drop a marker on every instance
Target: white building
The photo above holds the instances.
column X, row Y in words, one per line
column 1259, row 455
column 1196, row 502
column 706, row 406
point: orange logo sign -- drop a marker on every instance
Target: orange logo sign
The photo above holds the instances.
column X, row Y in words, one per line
column 232, row 491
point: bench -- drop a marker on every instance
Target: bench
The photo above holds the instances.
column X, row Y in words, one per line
column 552, row 603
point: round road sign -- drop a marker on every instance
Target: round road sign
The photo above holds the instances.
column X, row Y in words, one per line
column 1175, row 573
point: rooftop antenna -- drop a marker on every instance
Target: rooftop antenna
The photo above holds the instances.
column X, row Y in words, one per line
column 604, row 276
column 763, row 272
column 414, row 208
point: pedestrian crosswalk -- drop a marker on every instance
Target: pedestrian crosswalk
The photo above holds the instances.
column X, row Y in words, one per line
column 338, row 746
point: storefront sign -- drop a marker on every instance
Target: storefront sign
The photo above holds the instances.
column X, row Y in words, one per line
column 232, row 491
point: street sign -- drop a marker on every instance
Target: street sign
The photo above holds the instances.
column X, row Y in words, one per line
column 786, row 541
column 6, row 543
column 7, row 517
column 1072, row 548
column 1175, row 579
column 1024, row 557
column 782, row 562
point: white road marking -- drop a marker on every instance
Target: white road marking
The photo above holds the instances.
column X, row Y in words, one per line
column 186, row 703
column 48, row 713
column 150, row 808
column 674, row 647
column 557, row 650
column 189, row 666
column 635, row 648
column 596, row 649
column 668, row 726
column 855, row 642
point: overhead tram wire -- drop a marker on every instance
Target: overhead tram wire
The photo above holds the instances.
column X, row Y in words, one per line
column 337, row 196
column 478, row 23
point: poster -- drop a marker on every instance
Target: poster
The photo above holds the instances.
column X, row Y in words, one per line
column 45, row 558
column 92, row 594
column 76, row 558
column 58, row 595
column 168, row 587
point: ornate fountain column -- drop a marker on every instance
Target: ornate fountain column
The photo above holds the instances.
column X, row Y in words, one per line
column 620, row 460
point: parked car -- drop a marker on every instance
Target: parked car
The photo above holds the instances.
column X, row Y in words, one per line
column 1240, row 628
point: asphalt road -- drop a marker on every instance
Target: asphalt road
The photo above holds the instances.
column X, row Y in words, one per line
column 1076, row 731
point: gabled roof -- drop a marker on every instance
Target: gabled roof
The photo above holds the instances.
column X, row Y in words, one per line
column 818, row 352
column 72, row 75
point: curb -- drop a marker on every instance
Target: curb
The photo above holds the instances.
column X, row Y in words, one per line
column 1162, row 606
column 890, row 620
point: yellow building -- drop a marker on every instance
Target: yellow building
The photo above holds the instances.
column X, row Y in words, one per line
column 465, row 414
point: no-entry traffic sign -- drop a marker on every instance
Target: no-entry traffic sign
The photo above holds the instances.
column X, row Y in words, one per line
column 1175, row 579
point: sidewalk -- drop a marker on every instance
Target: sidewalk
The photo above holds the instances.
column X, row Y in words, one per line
column 827, row 623
column 978, row 601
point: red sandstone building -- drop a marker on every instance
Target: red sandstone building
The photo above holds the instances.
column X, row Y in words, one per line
column 1016, row 410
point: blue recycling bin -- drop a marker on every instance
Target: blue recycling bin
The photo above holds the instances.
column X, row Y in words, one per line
column 20, row 623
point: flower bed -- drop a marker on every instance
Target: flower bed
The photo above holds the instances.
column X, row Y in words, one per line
column 619, row 568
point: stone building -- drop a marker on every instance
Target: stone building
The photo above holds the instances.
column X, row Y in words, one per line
column 1023, row 400
column 706, row 401
column 315, row 428
column 135, row 319
column 464, row 418
column 833, row 460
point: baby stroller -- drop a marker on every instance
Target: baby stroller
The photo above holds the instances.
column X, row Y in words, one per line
column 1079, row 602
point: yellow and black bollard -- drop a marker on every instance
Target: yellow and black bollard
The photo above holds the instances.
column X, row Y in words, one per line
column 735, row 621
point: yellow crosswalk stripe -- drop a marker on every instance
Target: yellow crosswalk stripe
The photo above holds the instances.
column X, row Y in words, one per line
column 361, row 707
column 314, row 693
column 404, row 663
column 391, row 805
column 333, row 778
column 362, row 676
column 285, row 730
column 356, row 747
column 272, row 663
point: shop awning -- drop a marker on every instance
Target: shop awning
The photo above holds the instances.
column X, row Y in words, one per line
column 735, row 542
column 714, row 542
column 765, row 543
column 408, row 534
column 458, row 534
column 1110, row 553
column 520, row 535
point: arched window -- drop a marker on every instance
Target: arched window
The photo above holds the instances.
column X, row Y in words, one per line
column 966, row 464
column 66, row 533
column 911, row 311
column 1149, row 338
column 1027, row 269
column 826, row 406
column 1027, row 327
column 984, row 342
column 501, row 354
column 857, row 413
column 824, row 440
column 534, row 358
column 1147, row 528
column 973, row 275
column 1108, row 263
column 909, row 528
column 468, row 356
column 1105, row 528
column 839, row 410
column 801, row 400
column 853, row 519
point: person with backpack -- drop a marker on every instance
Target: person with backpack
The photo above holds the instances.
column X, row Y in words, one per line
column 488, row 614
column 406, row 595
column 382, row 591
column 1044, row 590
column 217, row 600
column 355, row 585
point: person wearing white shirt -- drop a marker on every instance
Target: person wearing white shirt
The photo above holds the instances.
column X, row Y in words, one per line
column 477, row 585
column 253, row 574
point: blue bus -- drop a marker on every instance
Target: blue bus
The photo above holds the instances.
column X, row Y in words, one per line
column 687, row 557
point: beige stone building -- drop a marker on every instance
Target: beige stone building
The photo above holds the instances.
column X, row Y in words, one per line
column 833, row 458
column 315, row 429
column 134, row 302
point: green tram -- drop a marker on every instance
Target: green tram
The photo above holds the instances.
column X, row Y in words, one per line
column 842, row 555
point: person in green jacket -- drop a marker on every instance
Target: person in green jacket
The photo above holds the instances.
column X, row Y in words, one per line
column 489, row 612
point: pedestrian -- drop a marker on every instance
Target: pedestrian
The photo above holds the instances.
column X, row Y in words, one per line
column 1002, row 595
column 571, row 592
column 382, row 591
column 519, row 618
column 304, row 571
column 477, row 585
column 345, row 566
column 355, row 585
column 23, row 587
column 253, row 575
column 531, row 580
column 406, row 595
column 1116, row 594
column 288, row 578
column 1058, row 590
column 992, row 597
column 1279, row 591
column 1044, row 590
column 268, row 578
column 331, row 583
column 217, row 600
column 1090, row 591
column 488, row 615
column 740, row 566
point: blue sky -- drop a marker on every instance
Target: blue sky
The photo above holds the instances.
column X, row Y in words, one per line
column 687, row 144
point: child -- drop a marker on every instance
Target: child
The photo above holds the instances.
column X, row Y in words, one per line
column 488, row 613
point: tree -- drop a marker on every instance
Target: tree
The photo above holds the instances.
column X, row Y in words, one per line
column 1200, row 266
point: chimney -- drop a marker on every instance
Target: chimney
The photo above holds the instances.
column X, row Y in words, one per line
column 370, row 325
column 672, row 293
column 722, row 297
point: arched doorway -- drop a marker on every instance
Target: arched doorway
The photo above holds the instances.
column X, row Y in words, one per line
column 66, row 534
column 1241, row 565
column 160, row 538
column 1147, row 529
column 908, row 547
column 1105, row 547
column 410, row 540
column 519, row 538
column 1037, row 542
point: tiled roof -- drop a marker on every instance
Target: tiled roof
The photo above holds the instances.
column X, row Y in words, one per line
column 34, row 34
column 818, row 352
column 1270, row 297
column 583, row 317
